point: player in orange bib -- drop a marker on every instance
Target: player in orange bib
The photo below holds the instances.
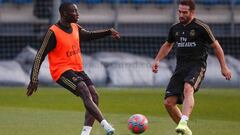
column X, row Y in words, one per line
column 62, row 45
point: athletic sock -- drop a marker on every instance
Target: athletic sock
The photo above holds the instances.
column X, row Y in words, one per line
column 106, row 125
column 184, row 118
column 86, row 130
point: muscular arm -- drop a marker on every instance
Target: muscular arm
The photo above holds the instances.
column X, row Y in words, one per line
column 92, row 35
column 219, row 53
column 163, row 52
column 220, row 56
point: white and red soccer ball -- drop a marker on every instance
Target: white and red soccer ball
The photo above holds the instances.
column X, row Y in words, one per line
column 137, row 123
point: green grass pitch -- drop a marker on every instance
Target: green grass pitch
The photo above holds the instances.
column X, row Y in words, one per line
column 55, row 111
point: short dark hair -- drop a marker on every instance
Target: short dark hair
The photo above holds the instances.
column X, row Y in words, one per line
column 64, row 6
column 189, row 3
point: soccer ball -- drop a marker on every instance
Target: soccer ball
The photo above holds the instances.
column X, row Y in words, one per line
column 137, row 123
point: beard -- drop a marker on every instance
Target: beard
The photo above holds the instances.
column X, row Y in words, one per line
column 184, row 20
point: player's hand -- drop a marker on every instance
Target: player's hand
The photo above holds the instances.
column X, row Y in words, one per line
column 155, row 66
column 226, row 72
column 115, row 34
column 32, row 87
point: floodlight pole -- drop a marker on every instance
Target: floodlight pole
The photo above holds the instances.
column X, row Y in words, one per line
column 232, row 6
column 116, row 8
column 175, row 5
column 55, row 14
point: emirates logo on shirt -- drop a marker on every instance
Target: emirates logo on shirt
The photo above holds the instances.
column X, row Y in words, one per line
column 185, row 43
column 74, row 51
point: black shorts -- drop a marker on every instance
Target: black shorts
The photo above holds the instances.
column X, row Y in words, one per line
column 193, row 74
column 70, row 79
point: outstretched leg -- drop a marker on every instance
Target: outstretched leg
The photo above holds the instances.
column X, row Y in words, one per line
column 170, row 104
column 80, row 85
column 188, row 104
column 92, row 110
column 89, row 119
column 89, row 104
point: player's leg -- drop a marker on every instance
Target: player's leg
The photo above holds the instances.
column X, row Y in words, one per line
column 74, row 83
column 91, row 107
column 79, row 88
column 89, row 117
column 170, row 104
column 173, row 96
column 188, row 104
column 192, row 84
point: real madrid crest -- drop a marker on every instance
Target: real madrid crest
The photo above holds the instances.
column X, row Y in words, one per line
column 192, row 33
column 176, row 34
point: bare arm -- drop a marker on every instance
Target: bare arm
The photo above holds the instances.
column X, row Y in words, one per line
column 163, row 52
column 220, row 56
